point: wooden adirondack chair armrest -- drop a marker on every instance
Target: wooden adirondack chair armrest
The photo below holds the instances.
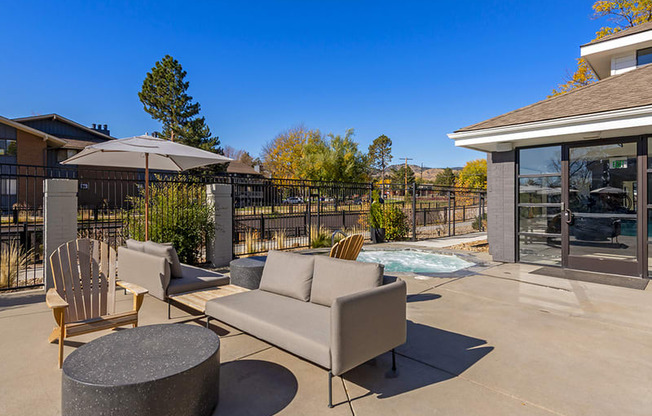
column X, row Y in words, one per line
column 54, row 300
column 132, row 287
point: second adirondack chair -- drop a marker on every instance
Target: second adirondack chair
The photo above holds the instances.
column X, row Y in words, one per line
column 83, row 297
column 348, row 248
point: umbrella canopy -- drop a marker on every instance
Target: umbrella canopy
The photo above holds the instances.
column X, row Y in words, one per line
column 145, row 152
column 132, row 152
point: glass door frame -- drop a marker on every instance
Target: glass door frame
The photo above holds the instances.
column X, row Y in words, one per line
column 628, row 268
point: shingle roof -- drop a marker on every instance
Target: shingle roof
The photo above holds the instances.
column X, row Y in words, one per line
column 627, row 32
column 628, row 90
column 241, row 168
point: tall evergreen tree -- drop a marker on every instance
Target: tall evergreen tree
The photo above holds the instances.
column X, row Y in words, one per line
column 380, row 154
column 164, row 96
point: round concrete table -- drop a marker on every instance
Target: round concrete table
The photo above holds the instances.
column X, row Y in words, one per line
column 247, row 272
column 160, row 370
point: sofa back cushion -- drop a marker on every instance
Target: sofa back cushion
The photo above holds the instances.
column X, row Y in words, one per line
column 288, row 274
column 165, row 250
column 136, row 245
column 333, row 278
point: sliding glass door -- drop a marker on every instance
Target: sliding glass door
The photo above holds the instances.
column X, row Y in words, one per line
column 586, row 205
column 600, row 207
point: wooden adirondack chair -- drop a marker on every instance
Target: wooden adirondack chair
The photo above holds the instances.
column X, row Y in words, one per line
column 348, row 248
column 83, row 297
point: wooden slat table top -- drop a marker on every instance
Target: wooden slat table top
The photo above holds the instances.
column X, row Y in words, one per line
column 198, row 298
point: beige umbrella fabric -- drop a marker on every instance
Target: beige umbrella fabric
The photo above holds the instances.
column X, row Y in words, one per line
column 145, row 152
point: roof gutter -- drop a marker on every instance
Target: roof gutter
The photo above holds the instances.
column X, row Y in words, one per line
column 567, row 126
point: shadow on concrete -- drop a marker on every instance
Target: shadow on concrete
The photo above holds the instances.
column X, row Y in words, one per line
column 255, row 387
column 421, row 297
column 14, row 300
column 430, row 355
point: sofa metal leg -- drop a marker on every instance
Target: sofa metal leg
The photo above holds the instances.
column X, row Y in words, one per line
column 208, row 322
column 169, row 306
column 330, row 389
column 393, row 360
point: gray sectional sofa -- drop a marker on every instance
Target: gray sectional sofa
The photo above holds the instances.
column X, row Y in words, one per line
column 335, row 313
column 157, row 268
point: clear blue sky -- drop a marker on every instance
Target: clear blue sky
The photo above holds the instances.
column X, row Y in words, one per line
column 413, row 70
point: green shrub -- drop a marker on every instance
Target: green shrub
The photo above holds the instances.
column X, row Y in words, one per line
column 395, row 223
column 476, row 222
column 376, row 215
column 179, row 214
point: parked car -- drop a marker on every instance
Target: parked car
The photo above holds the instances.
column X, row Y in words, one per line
column 293, row 200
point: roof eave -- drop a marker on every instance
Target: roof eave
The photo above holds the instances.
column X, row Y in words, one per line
column 577, row 127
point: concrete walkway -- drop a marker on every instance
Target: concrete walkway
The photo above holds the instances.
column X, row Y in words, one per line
column 498, row 342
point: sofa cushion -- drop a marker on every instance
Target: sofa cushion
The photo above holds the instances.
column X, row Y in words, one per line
column 303, row 328
column 165, row 250
column 195, row 278
column 288, row 274
column 135, row 245
column 333, row 278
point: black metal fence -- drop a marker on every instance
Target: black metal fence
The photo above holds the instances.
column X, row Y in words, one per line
column 285, row 214
column 110, row 208
column 267, row 213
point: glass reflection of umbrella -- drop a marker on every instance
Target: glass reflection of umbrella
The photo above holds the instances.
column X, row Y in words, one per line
column 145, row 152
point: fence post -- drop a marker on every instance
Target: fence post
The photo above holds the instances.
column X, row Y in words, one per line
column 448, row 212
column 343, row 219
column 454, row 211
column 219, row 251
column 480, row 225
column 59, row 219
column 414, row 211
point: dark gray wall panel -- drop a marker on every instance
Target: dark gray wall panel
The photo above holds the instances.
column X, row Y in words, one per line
column 501, row 205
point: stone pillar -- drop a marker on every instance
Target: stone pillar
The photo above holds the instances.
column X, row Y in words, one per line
column 59, row 218
column 220, row 250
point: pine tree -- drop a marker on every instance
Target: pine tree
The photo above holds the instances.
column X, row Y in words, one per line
column 164, row 96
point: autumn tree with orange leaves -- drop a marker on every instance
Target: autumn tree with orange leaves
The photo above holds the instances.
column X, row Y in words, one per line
column 622, row 14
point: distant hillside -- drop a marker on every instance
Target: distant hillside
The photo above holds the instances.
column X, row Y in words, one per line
column 429, row 173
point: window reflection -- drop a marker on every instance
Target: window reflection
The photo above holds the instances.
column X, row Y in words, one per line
column 540, row 160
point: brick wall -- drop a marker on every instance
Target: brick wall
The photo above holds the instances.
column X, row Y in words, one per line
column 30, row 151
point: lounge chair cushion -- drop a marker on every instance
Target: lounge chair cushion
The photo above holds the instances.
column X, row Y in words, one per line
column 165, row 250
column 300, row 327
column 288, row 274
column 333, row 278
column 136, row 245
column 195, row 278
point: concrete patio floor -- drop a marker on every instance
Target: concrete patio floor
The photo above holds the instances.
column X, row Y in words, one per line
column 500, row 341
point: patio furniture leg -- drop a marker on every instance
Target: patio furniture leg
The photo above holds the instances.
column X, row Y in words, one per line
column 169, row 306
column 330, row 389
column 208, row 321
column 393, row 360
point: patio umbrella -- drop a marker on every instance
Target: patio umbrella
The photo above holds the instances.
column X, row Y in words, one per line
column 145, row 152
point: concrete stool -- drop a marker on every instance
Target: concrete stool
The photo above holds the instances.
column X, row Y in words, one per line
column 150, row 370
column 246, row 272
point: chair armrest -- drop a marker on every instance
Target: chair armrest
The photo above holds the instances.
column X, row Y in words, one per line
column 367, row 324
column 145, row 270
column 54, row 300
column 132, row 287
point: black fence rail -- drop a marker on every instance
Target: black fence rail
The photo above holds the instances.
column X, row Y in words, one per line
column 267, row 213
column 110, row 208
column 285, row 214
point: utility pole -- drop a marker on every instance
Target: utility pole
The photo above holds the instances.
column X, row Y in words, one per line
column 406, row 168
column 421, row 172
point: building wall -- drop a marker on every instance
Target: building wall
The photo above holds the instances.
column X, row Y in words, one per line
column 501, row 205
column 623, row 63
column 30, row 151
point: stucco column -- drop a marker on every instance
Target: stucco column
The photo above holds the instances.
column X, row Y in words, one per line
column 220, row 250
column 59, row 218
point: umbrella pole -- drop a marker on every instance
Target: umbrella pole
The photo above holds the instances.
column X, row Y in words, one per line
column 146, row 196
